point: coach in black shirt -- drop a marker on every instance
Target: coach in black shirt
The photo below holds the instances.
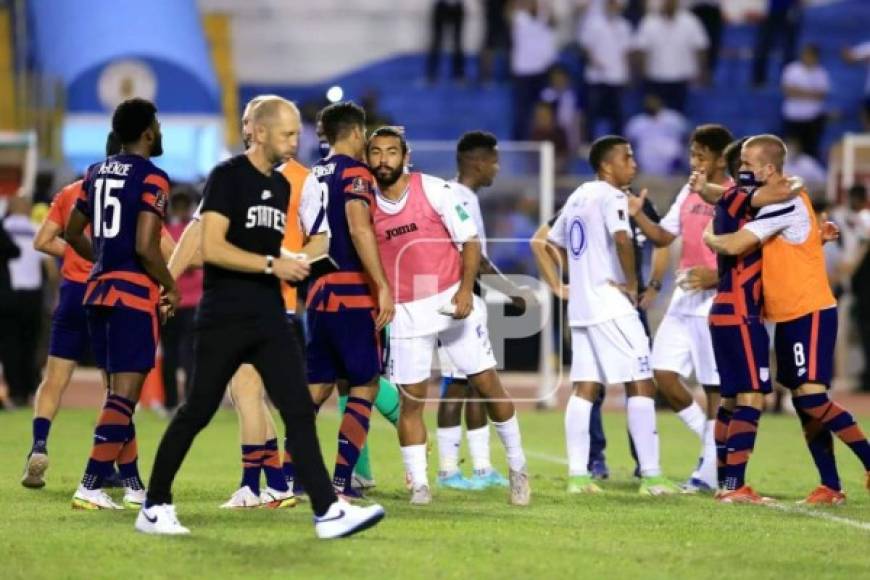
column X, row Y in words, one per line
column 241, row 319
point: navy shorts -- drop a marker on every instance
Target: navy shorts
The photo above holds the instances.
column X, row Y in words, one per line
column 343, row 345
column 124, row 340
column 805, row 349
column 742, row 358
column 69, row 325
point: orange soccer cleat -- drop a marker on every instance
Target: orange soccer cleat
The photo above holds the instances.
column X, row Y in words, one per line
column 743, row 494
column 824, row 495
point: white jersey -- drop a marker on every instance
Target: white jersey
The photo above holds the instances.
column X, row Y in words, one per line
column 471, row 203
column 585, row 228
column 685, row 302
column 421, row 317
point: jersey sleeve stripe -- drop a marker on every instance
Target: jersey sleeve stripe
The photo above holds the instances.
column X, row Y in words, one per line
column 317, row 222
column 777, row 213
column 159, row 181
column 352, row 172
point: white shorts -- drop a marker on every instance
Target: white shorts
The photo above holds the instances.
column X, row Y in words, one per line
column 464, row 342
column 448, row 369
column 614, row 351
column 682, row 344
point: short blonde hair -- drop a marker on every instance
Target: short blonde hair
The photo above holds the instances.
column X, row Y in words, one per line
column 773, row 149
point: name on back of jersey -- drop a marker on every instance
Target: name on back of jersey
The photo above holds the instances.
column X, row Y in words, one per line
column 264, row 216
column 323, row 170
column 114, row 168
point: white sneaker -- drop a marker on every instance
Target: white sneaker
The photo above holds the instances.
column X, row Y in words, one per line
column 274, row 499
column 521, row 492
column 34, row 470
column 134, row 498
column 343, row 519
column 93, row 499
column 160, row 519
column 421, row 495
column 243, row 498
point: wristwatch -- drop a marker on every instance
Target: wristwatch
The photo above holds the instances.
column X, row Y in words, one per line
column 655, row 285
column 269, row 261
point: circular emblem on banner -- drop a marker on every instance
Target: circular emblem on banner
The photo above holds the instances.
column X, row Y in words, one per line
column 577, row 238
column 125, row 79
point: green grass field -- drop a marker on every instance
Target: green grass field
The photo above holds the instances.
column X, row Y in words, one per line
column 475, row 535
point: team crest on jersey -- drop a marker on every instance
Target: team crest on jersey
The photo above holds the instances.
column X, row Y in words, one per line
column 460, row 211
column 359, row 185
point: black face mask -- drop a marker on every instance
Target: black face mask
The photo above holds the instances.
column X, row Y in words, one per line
column 747, row 179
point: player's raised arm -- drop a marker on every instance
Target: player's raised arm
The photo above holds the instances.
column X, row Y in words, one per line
column 656, row 233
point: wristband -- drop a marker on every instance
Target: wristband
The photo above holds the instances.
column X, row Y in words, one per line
column 269, row 261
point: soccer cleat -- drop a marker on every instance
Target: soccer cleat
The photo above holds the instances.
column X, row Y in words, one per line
column 359, row 482
column 457, row 481
column 243, row 498
column 349, row 494
column 695, row 485
column 93, row 499
column 744, row 494
column 521, row 492
column 343, row 519
column 274, row 499
column 658, row 485
column 598, row 469
column 160, row 519
column 824, row 495
column 134, row 498
column 34, row 470
column 421, row 495
column 485, row 478
column 582, row 484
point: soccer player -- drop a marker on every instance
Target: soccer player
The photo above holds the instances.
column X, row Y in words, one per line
column 123, row 199
column 798, row 298
column 241, row 319
column 608, row 340
column 346, row 309
column 419, row 223
column 682, row 343
column 477, row 159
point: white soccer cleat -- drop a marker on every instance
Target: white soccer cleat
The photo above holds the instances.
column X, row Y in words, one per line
column 343, row 519
column 274, row 499
column 521, row 491
column 160, row 519
column 34, row 471
column 421, row 495
column 243, row 498
column 134, row 498
column 93, row 499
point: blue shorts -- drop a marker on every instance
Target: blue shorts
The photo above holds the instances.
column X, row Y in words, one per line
column 805, row 349
column 124, row 340
column 69, row 325
column 343, row 345
column 742, row 358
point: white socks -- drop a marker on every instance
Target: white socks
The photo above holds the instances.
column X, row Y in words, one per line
column 577, row 434
column 706, row 471
column 641, row 413
column 449, row 439
column 694, row 418
column 509, row 433
column 414, row 457
column 478, row 446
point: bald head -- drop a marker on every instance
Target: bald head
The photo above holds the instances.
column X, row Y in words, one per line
column 246, row 116
column 275, row 124
column 768, row 149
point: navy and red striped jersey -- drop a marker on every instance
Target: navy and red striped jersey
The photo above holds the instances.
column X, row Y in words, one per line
column 738, row 298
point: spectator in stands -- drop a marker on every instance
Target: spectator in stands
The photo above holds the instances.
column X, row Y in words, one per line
column 21, row 325
column 561, row 96
column 606, row 43
column 448, row 17
column 805, row 166
column 533, row 53
column 496, row 37
column 177, row 337
column 783, row 20
column 709, row 12
column 658, row 136
column 545, row 127
column 861, row 54
column 671, row 47
column 805, row 84
column 8, row 251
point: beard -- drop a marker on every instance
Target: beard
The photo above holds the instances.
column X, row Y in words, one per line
column 157, row 146
column 387, row 176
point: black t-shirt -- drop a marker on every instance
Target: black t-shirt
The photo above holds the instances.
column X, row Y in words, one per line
column 256, row 206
